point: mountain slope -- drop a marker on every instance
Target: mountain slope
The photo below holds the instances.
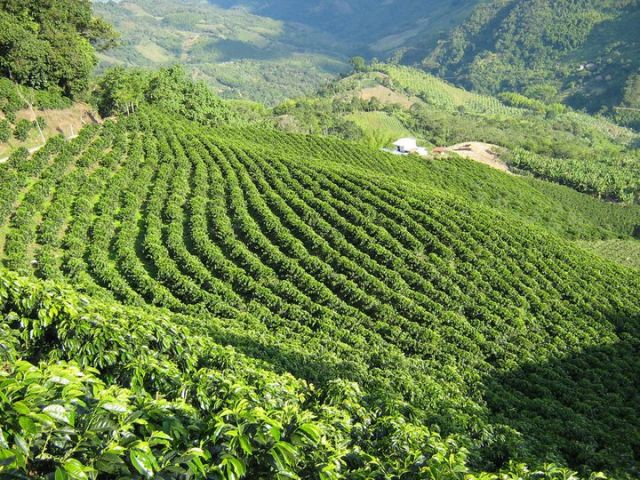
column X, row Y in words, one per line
column 367, row 25
column 240, row 55
column 584, row 49
column 588, row 153
column 325, row 260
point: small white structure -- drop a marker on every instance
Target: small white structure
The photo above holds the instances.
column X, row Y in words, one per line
column 405, row 146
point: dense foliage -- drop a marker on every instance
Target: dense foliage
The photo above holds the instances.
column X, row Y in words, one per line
column 585, row 49
column 50, row 44
column 123, row 90
column 413, row 312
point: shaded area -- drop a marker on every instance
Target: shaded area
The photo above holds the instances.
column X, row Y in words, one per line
column 582, row 410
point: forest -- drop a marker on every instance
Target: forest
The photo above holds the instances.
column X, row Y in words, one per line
column 582, row 52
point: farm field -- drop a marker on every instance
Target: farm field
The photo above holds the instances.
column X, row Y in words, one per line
column 590, row 154
column 241, row 240
column 323, row 286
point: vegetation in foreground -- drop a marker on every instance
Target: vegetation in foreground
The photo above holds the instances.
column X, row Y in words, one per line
column 184, row 295
column 304, row 255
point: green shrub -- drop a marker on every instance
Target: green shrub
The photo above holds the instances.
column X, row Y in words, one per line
column 22, row 129
column 5, row 131
column 52, row 98
column 40, row 122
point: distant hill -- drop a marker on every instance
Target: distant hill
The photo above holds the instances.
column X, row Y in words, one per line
column 369, row 25
column 240, row 55
column 584, row 52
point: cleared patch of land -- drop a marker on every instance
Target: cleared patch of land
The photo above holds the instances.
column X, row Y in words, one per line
column 387, row 96
column 66, row 121
column 154, row 52
column 480, row 152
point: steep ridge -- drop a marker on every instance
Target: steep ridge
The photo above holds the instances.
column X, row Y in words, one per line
column 376, row 27
column 581, row 51
column 435, row 303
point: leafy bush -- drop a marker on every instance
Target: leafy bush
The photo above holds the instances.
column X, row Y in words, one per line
column 40, row 122
column 22, row 129
column 5, row 131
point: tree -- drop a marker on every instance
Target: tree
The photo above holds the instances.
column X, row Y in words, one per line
column 51, row 44
column 359, row 64
column 121, row 90
column 174, row 92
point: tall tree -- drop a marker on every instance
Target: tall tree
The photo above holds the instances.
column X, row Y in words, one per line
column 45, row 44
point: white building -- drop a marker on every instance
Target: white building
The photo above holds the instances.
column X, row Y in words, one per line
column 409, row 145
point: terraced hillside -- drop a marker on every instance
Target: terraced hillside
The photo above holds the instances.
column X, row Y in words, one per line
column 550, row 141
column 326, row 261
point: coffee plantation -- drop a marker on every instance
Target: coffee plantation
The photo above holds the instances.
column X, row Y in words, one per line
column 236, row 302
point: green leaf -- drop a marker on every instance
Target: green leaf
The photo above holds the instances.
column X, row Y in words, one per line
column 21, row 444
column 7, row 457
column 234, row 467
column 115, row 407
column 312, row 431
column 21, row 408
column 275, row 432
column 75, row 469
column 245, row 444
column 28, row 426
column 57, row 412
column 142, row 463
column 197, row 467
column 3, row 441
column 60, row 474
column 160, row 438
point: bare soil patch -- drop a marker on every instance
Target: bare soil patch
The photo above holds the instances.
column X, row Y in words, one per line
column 67, row 121
column 480, row 152
column 387, row 96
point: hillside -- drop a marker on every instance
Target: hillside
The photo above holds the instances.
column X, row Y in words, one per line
column 327, row 261
column 369, row 26
column 550, row 141
column 582, row 52
column 203, row 288
column 238, row 54
column 579, row 53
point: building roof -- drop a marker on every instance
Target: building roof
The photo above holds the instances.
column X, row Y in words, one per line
column 406, row 143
